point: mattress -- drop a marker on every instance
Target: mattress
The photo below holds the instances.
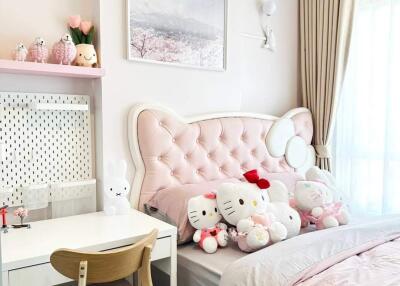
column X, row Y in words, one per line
column 197, row 268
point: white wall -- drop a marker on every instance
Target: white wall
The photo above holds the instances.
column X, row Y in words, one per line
column 24, row 20
column 255, row 79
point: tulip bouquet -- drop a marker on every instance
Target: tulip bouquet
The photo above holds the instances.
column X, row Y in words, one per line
column 81, row 31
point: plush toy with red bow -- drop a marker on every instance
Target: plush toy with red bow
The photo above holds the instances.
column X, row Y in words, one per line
column 205, row 217
column 244, row 206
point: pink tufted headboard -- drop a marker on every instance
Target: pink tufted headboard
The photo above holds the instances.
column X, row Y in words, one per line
column 169, row 150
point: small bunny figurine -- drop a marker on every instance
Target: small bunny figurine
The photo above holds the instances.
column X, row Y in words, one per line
column 20, row 53
column 38, row 51
column 116, row 188
column 205, row 217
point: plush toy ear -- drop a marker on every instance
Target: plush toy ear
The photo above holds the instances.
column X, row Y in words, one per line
column 120, row 168
column 329, row 178
column 278, row 192
column 110, row 169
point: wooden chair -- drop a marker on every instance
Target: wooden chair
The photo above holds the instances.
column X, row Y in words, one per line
column 107, row 266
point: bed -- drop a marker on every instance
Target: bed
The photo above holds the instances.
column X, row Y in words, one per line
column 170, row 151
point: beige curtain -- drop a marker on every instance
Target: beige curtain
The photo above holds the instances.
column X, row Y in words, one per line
column 325, row 30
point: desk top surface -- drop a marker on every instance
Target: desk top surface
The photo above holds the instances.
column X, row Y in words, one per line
column 89, row 232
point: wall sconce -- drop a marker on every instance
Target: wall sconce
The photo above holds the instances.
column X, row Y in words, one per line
column 268, row 9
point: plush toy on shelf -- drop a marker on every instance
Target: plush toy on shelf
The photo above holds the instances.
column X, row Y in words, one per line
column 205, row 217
column 20, row 53
column 38, row 51
column 82, row 33
column 244, row 206
column 64, row 51
column 116, row 188
column 317, row 200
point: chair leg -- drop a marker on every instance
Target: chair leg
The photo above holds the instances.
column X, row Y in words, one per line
column 82, row 273
column 145, row 270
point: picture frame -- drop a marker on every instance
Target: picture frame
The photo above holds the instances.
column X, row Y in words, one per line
column 202, row 48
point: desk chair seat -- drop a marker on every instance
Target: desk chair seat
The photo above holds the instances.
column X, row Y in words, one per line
column 108, row 266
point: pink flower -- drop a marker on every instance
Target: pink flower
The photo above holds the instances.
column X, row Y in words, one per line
column 74, row 21
column 85, row 27
column 21, row 212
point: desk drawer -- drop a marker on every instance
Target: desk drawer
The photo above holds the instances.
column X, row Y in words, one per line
column 38, row 275
column 162, row 249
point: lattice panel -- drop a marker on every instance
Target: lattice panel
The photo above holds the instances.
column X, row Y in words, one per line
column 42, row 146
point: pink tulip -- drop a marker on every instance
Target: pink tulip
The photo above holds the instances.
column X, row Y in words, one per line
column 85, row 27
column 74, row 21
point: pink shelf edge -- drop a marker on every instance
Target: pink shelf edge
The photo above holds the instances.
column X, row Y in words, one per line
column 9, row 66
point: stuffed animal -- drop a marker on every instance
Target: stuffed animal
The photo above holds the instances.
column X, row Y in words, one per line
column 315, row 201
column 205, row 217
column 38, row 51
column 116, row 188
column 64, row 51
column 280, row 207
column 20, row 53
column 244, row 206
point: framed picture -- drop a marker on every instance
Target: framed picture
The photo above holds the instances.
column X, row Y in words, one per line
column 188, row 33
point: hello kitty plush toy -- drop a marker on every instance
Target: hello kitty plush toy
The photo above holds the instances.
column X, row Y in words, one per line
column 279, row 205
column 205, row 217
column 316, row 202
column 116, row 188
column 244, row 206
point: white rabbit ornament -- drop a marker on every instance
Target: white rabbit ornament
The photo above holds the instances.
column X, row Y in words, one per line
column 116, row 189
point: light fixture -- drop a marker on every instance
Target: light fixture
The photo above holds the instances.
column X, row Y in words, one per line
column 268, row 9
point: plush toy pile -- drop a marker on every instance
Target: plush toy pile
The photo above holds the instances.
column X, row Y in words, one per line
column 261, row 212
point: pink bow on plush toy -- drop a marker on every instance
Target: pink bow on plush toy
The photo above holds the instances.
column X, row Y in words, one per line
column 253, row 177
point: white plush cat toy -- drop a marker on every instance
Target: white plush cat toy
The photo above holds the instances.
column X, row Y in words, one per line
column 116, row 188
column 279, row 205
column 205, row 217
column 244, row 206
column 317, row 200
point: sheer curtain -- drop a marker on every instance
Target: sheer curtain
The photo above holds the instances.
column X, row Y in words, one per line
column 367, row 163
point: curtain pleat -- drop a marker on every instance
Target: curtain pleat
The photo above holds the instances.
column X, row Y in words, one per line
column 325, row 31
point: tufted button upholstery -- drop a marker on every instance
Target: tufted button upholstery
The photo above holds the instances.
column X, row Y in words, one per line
column 175, row 153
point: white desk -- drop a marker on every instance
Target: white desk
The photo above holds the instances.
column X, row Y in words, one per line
column 26, row 253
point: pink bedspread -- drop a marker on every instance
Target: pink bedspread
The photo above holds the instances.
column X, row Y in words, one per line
column 378, row 266
column 361, row 254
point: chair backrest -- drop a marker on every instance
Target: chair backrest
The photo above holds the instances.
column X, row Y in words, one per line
column 105, row 266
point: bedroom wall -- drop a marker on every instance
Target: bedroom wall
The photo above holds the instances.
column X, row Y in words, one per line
column 255, row 80
column 22, row 21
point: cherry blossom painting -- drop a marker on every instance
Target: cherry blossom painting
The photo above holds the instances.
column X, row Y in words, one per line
column 189, row 33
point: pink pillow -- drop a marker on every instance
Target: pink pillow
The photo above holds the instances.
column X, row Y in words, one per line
column 170, row 205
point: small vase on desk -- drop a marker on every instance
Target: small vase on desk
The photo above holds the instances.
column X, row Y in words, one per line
column 86, row 55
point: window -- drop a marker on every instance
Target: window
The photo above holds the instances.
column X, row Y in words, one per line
column 367, row 163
